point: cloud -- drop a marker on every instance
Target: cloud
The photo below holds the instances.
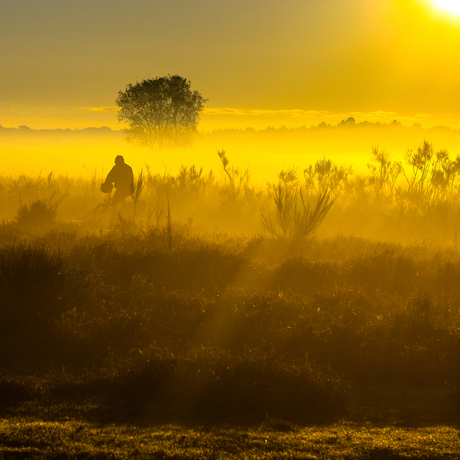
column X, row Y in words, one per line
column 100, row 109
column 296, row 113
column 374, row 114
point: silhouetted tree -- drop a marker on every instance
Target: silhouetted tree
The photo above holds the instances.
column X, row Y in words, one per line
column 160, row 111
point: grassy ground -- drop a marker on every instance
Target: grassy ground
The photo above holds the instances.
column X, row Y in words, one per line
column 381, row 423
column 24, row 438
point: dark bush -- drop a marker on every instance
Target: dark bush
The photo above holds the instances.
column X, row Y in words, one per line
column 15, row 391
column 189, row 269
column 212, row 383
column 305, row 276
column 36, row 288
column 386, row 271
column 35, row 285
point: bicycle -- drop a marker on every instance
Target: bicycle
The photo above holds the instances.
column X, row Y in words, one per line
column 104, row 211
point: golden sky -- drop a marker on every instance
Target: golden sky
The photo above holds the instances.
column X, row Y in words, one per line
column 259, row 62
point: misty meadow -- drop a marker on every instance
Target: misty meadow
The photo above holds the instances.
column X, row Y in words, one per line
column 329, row 297
column 263, row 264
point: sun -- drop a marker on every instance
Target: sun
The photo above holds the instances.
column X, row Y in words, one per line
column 449, row 6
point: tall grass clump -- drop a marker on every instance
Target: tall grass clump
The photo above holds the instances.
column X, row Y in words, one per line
column 294, row 218
column 40, row 213
column 238, row 179
column 26, row 188
column 325, row 176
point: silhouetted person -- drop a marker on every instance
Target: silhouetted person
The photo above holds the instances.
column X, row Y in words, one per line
column 121, row 176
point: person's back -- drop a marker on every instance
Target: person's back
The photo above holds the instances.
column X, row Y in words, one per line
column 121, row 175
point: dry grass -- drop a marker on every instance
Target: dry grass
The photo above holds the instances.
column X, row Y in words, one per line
column 73, row 440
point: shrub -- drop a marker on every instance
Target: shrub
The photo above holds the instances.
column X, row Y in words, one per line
column 38, row 213
column 201, row 268
column 305, row 276
column 212, row 383
column 35, row 286
column 16, row 391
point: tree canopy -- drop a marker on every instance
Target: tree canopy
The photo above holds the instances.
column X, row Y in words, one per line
column 160, row 111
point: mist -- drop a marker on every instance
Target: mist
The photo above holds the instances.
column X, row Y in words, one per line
column 69, row 166
column 265, row 152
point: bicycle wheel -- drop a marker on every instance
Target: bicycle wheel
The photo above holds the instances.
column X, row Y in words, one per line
column 102, row 212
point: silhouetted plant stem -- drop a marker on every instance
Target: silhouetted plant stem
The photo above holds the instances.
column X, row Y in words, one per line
column 168, row 228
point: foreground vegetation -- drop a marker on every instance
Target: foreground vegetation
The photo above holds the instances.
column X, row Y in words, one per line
column 223, row 329
column 138, row 319
column 70, row 439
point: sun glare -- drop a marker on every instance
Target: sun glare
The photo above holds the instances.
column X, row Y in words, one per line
column 449, row 6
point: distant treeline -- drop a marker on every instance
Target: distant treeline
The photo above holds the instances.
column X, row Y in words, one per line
column 27, row 131
column 345, row 123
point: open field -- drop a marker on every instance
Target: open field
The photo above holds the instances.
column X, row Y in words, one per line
column 271, row 270
column 209, row 320
column 73, row 439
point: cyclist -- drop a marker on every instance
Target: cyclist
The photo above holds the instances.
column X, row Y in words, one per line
column 121, row 176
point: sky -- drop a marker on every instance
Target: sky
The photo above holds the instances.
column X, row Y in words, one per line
column 259, row 63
